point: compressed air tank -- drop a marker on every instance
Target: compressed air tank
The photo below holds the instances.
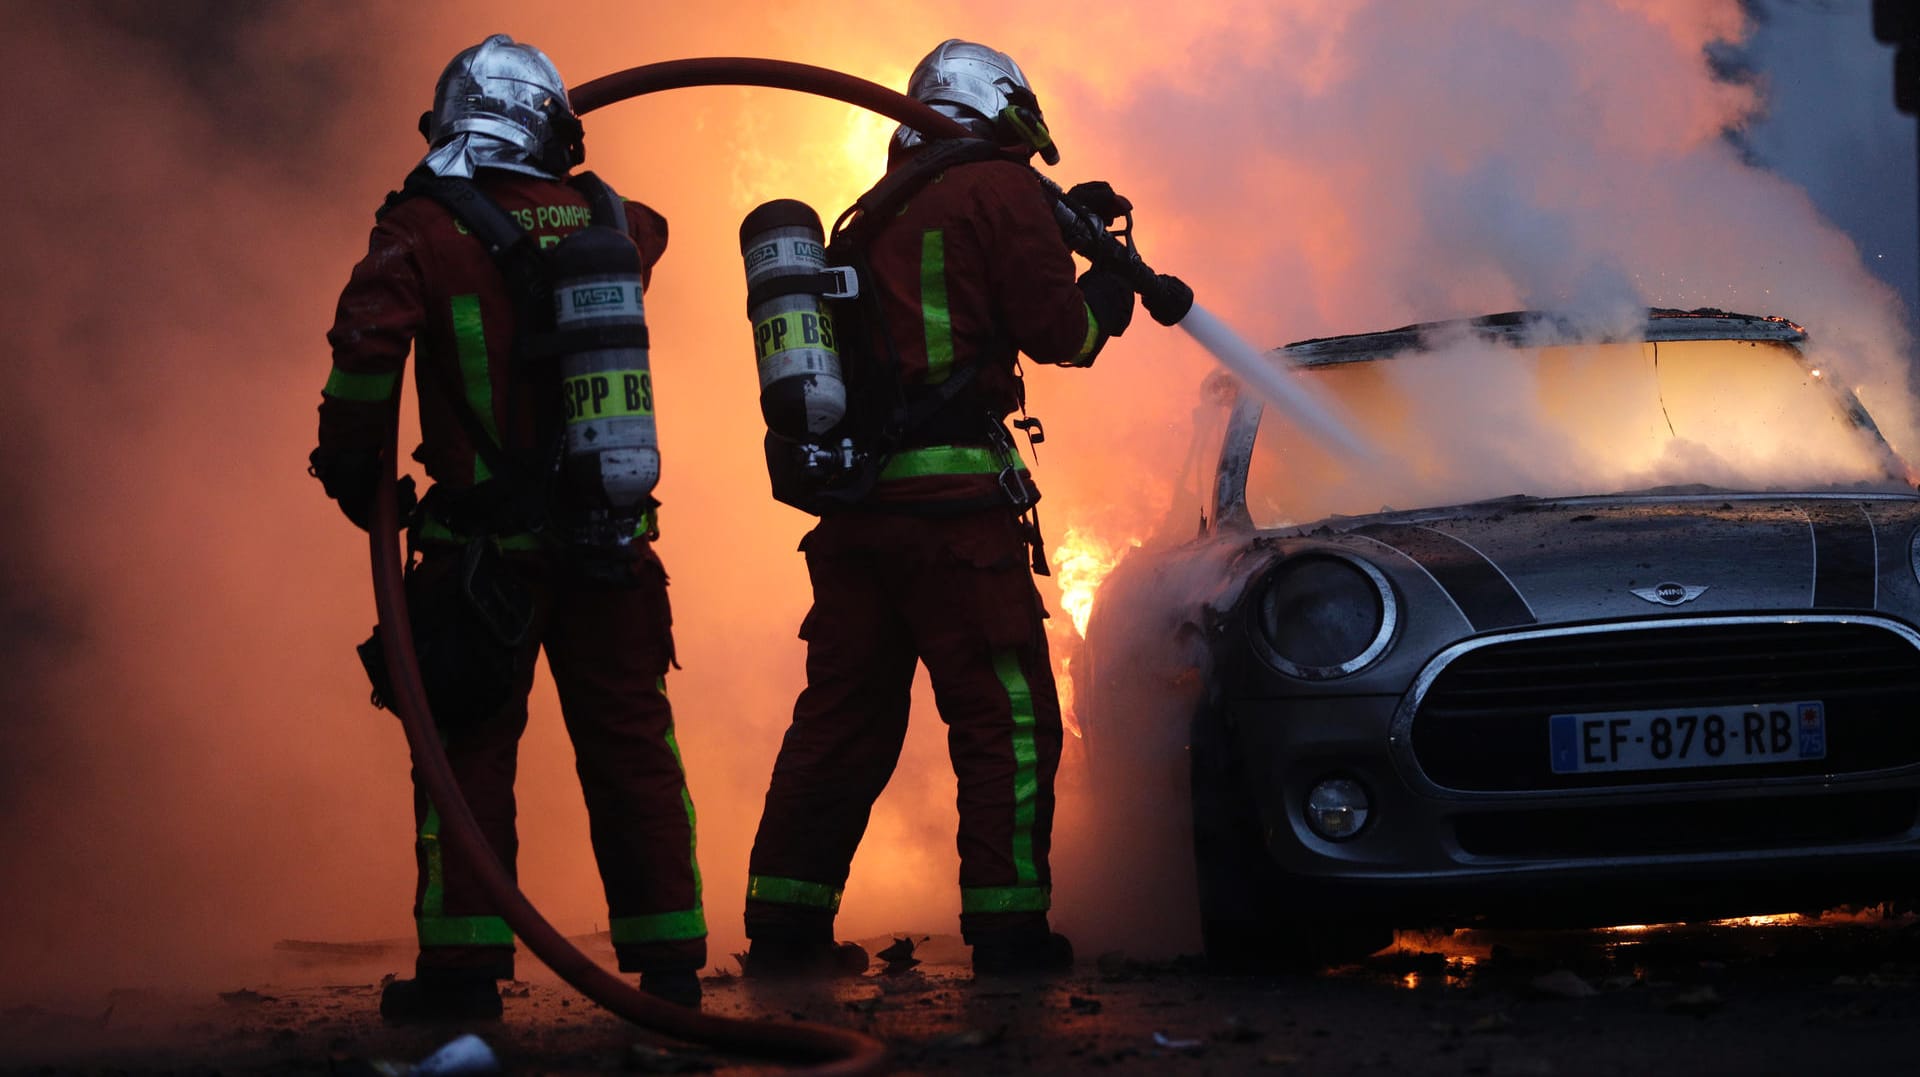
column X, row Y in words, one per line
column 600, row 322
column 802, row 394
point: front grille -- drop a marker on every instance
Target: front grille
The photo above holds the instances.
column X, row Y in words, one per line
column 1482, row 724
column 1746, row 825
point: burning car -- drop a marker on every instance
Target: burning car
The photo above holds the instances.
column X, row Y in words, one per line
column 1636, row 639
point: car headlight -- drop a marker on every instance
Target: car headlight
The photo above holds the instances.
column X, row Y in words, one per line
column 1324, row 615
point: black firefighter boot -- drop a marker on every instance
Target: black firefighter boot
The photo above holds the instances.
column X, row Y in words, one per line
column 793, row 959
column 1022, row 953
column 441, row 995
column 678, row 986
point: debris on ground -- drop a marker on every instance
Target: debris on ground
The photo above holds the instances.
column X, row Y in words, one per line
column 1695, row 1001
column 1162, row 1040
column 899, row 957
column 969, row 1038
column 1490, row 1023
column 645, row 1058
column 1563, row 983
column 463, row 1056
column 466, row 1056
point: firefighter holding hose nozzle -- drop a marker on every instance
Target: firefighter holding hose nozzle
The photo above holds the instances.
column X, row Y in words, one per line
column 518, row 284
column 889, row 365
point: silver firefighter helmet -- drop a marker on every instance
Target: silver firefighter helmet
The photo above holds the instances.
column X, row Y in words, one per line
column 501, row 104
column 981, row 88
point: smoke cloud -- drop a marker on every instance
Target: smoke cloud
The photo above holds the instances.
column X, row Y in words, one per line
column 189, row 769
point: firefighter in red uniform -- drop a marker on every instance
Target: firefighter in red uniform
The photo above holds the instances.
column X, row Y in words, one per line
column 934, row 564
column 490, row 418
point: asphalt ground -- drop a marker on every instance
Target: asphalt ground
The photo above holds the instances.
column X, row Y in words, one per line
column 1840, row 994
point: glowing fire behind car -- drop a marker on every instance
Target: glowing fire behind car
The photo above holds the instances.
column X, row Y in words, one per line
column 1080, row 562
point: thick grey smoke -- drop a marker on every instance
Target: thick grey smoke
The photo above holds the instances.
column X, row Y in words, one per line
column 1829, row 125
column 1343, row 168
column 162, row 700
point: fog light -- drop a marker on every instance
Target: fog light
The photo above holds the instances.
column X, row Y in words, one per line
column 1337, row 808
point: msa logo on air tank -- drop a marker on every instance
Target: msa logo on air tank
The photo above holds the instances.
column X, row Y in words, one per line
column 793, row 329
column 800, row 250
column 610, row 394
column 760, row 256
column 597, row 296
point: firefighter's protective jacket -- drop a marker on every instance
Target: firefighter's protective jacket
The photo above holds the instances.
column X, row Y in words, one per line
column 971, row 272
column 426, row 283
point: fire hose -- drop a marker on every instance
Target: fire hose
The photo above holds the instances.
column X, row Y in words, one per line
column 1167, row 297
column 835, row 1051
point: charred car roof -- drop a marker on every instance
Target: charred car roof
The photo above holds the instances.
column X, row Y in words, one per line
column 1527, row 327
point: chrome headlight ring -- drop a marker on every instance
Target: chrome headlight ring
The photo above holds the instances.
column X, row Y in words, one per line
column 1324, row 614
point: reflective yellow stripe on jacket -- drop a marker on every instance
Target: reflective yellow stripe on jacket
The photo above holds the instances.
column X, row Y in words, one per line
column 947, row 460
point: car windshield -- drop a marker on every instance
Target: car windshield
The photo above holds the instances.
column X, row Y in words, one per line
column 1475, row 420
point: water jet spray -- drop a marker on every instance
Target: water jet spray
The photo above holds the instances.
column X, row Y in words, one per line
column 1170, row 301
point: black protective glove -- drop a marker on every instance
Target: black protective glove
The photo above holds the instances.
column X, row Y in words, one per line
column 353, row 479
column 1099, row 197
column 1109, row 297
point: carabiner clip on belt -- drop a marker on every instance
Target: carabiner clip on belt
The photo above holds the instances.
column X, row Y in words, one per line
column 1009, row 477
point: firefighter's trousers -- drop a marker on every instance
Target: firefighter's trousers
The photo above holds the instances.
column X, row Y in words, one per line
column 890, row 591
column 608, row 648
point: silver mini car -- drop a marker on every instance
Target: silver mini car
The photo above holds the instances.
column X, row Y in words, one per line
column 1638, row 641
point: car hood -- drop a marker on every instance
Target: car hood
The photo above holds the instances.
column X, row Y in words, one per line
column 1521, row 561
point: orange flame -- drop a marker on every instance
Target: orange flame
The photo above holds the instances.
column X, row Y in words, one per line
column 1081, row 561
column 1063, row 686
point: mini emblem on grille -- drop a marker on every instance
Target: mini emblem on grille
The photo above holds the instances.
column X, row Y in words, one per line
column 1670, row 594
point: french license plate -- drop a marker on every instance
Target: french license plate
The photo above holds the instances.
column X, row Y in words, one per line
column 1695, row 737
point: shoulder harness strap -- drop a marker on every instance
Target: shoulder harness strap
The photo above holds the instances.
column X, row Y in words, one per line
column 885, row 198
column 854, row 230
column 609, row 209
column 512, row 249
column 460, row 196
